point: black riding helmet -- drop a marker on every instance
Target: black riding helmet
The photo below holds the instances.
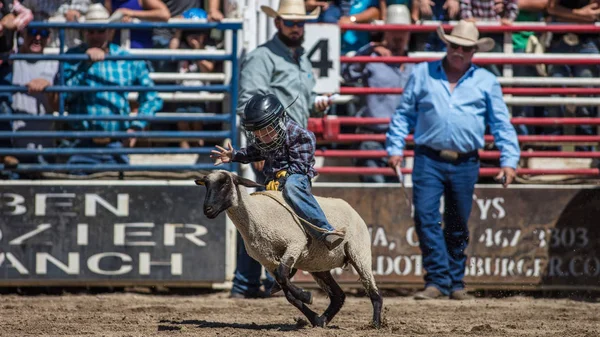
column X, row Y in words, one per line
column 263, row 111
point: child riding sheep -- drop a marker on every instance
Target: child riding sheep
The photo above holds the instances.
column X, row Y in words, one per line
column 288, row 151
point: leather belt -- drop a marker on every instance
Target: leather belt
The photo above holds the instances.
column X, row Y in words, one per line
column 449, row 154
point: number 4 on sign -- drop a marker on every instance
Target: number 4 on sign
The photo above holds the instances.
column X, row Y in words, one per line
column 323, row 64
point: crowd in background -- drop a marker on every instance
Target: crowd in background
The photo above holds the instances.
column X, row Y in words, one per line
column 17, row 38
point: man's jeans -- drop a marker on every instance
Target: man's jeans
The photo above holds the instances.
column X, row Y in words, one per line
column 297, row 193
column 443, row 249
column 246, row 279
column 374, row 162
column 96, row 159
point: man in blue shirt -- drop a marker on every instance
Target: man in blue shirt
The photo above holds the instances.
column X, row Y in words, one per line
column 448, row 103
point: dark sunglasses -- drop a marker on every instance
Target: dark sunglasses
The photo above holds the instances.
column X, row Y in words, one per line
column 96, row 31
column 465, row 49
column 290, row 24
column 35, row 32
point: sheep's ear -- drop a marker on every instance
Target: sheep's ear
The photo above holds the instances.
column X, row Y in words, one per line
column 245, row 182
column 200, row 181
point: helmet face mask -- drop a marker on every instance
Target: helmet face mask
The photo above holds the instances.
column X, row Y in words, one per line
column 270, row 137
column 265, row 122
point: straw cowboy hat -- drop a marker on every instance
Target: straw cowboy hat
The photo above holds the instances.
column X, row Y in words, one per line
column 398, row 15
column 291, row 10
column 96, row 13
column 466, row 34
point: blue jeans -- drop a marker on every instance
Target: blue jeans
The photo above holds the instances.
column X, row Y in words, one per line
column 374, row 162
column 246, row 279
column 96, row 159
column 443, row 250
column 297, row 193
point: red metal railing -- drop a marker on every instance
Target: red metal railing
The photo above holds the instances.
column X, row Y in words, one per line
column 329, row 129
column 515, row 27
column 476, row 60
column 506, row 91
column 484, row 172
column 482, row 154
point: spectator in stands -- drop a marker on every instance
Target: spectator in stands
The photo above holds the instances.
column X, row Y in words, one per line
column 504, row 11
column 171, row 38
column 575, row 11
column 63, row 10
column 13, row 17
column 146, row 10
column 196, row 40
column 348, row 12
column 381, row 75
column 529, row 11
column 100, row 72
column 448, row 103
column 36, row 76
column 437, row 10
column 278, row 67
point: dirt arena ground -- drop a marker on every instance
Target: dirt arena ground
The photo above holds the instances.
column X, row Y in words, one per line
column 137, row 314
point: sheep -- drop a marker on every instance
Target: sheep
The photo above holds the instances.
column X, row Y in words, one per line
column 275, row 238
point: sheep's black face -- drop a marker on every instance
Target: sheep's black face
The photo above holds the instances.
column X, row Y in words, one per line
column 219, row 193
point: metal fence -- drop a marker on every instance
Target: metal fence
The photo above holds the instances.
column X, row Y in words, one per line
column 189, row 93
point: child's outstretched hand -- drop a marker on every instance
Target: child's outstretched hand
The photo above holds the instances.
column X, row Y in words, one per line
column 222, row 155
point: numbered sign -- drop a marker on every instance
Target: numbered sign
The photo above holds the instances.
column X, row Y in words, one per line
column 322, row 45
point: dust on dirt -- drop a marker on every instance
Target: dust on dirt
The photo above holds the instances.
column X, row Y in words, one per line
column 135, row 314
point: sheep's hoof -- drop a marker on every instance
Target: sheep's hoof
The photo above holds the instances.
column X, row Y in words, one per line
column 306, row 297
column 320, row 322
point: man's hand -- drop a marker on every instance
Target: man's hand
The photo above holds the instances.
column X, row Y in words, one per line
column 130, row 142
column 506, row 22
column 127, row 15
column 223, row 155
column 322, row 102
column 452, row 7
column 425, row 7
column 395, row 161
column 344, row 20
column 382, row 50
column 508, row 173
column 215, row 15
column 314, row 3
column 589, row 12
column 37, row 85
column 72, row 15
column 259, row 165
column 95, row 54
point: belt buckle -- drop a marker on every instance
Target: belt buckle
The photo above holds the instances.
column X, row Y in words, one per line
column 449, row 155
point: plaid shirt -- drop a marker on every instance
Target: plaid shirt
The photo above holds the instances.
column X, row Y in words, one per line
column 297, row 156
column 484, row 9
column 102, row 103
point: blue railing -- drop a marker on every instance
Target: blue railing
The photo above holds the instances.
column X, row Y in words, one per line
column 76, row 116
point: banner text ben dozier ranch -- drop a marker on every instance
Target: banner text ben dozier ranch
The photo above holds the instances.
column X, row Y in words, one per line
column 90, row 233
